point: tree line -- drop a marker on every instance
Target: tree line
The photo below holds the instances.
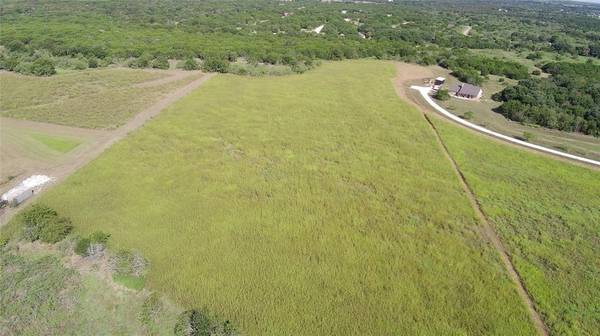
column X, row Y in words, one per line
column 568, row 100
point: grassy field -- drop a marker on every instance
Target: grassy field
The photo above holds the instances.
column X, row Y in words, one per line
column 309, row 204
column 100, row 98
column 548, row 215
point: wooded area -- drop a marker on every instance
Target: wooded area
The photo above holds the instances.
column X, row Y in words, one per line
column 249, row 37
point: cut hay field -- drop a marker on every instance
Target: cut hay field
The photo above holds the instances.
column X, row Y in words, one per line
column 316, row 204
column 99, row 98
column 547, row 213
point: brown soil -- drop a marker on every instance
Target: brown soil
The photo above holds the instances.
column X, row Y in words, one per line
column 408, row 73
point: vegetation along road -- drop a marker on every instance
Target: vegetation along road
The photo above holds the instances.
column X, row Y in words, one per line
column 424, row 91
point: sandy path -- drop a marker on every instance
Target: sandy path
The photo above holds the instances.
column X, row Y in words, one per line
column 409, row 74
column 61, row 172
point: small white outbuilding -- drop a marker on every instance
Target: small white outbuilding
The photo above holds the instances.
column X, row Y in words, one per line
column 24, row 190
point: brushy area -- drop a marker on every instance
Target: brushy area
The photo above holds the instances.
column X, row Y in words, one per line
column 99, row 98
column 547, row 213
column 40, row 296
column 306, row 204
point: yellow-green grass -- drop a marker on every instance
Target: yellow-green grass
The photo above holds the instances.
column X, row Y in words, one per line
column 56, row 143
column 100, row 98
column 315, row 204
column 547, row 213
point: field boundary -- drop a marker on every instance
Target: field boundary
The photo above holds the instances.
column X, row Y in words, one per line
column 400, row 85
column 424, row 91
column 493, row 237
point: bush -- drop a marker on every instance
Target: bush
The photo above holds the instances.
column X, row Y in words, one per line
column 43, row 223
column 82, row 247
column 195, row 322
column 3, row 241
column 528, row 136
column 468, row 115
column 92, row 62
column 190, row 64
column 91, row 245
column 151, row 310
column 141, row 62
column 213, row 64
column 126, row 263
column 442, row 95
column 99, row 237
column 160, row 63
column 43, row 67
column 56, row 230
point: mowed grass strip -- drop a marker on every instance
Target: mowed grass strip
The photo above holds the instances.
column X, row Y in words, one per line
column 56, row 143
column 316, row 204
column 548, row 215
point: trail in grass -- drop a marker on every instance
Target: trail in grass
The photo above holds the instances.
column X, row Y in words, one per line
column 488, row 230
column 493, row 237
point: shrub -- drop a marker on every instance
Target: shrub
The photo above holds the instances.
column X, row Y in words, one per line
column 91, row 245
column 196, row 322
column 3, row 241
column 43, row 67
column 442, row 95
column 214, row 64
column 92, row 62
column 126, row 263
column 151, row 309
column 56, row 230
column 99, row 237
column 82, row 247
column 160, row 63
column 141, row 62
column 43, row 223
column 468, row 115
column 193, row 323
column 528, row 136
column 190, row 64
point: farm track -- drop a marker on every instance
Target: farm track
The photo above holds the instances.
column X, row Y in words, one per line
column 61, row 172
column 400, row 84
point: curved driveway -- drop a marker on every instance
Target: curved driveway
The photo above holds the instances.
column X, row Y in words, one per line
column 424, row 90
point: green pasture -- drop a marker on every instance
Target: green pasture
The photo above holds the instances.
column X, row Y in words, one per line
column 314, row 204
column 547, row 213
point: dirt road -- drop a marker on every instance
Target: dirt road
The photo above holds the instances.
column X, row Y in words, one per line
column 103, row 142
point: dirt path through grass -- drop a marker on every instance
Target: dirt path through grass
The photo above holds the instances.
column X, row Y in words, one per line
column 174, row 75
column 109, row 138
column 409, row 73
